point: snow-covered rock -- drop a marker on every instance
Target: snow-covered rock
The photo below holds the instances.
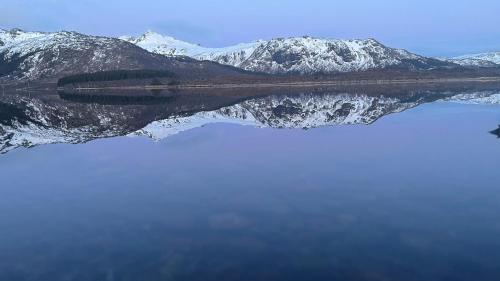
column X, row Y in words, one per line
column 478, row 60
column 13, row 36
column 304, row 55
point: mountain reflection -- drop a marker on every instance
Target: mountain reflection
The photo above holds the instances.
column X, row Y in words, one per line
column 30, row 119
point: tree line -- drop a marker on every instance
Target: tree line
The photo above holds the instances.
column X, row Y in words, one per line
column 114, row 75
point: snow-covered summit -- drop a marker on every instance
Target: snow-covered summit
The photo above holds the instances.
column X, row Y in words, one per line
column 16, row 35
column 38, row 55
column 22, row 43
column 292, row 55
column 34, row 55
column 169, row 46
column 491, row 59
column 162, row 44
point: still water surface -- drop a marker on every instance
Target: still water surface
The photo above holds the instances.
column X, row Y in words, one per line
column 413, row 196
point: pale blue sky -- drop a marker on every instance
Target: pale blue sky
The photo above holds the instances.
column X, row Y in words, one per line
column 430, row 27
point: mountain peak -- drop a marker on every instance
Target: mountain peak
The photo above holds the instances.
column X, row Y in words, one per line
column 153, row 34
column 12, row 31
column 304, row 54
column 151, row 37
column 16, row 35
column 16, row 30
column 163, row 44
column 294, row 55
column 491, row 59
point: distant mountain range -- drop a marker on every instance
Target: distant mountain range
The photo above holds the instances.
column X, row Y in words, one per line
column 479, row 60
column 303, row 55
column 39, row 55
column 308, row 55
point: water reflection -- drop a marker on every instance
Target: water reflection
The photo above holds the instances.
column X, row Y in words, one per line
column 412, row 196
column 27, row 120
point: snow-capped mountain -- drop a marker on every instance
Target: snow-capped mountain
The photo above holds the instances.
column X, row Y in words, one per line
column 478, row 60
column 35, row 55
column 305, row 55
column 10, row 37
column 168, row 46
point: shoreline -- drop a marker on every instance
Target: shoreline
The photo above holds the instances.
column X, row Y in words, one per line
column 295, row 84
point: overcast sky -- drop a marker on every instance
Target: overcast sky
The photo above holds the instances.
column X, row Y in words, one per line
column 430, row 27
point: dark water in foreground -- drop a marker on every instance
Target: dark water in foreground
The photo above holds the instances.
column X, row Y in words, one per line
column 413, row 196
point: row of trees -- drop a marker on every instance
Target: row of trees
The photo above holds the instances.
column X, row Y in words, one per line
column 114, row 75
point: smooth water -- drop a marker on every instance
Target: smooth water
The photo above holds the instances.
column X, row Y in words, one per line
column 413, row 196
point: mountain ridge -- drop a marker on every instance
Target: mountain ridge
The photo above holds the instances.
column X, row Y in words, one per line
column 49, row 55
column 488, row 59
column 40, row 55
column 303, row 55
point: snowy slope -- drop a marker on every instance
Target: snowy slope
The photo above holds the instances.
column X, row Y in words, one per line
column 293, row 55
column 11, row 37
column 169, row 46
column 34, row 55
column 478, row 60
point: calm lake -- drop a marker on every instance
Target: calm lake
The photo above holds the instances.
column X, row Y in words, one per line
column 384, row 185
